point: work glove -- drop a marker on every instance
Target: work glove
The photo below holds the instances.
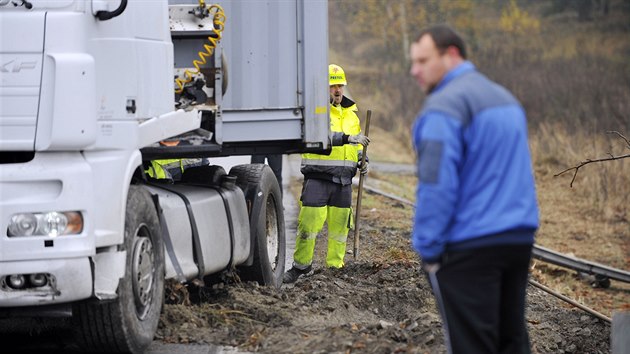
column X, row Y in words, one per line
column 364, row 167
column 359, row 139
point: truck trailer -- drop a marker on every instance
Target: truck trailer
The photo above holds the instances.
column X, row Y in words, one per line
column 100, row 102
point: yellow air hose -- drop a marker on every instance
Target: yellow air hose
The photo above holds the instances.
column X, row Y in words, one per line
column 218, row 22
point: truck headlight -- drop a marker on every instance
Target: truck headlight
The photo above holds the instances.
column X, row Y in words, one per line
column 45, row 224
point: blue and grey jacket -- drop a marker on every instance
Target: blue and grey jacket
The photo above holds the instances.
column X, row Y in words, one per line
column 475, row 179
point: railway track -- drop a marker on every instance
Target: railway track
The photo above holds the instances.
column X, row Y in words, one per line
column 601, row 273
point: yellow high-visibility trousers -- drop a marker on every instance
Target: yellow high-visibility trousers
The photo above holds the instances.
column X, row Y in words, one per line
column 310, row 223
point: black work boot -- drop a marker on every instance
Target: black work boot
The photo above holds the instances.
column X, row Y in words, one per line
column 294, row 273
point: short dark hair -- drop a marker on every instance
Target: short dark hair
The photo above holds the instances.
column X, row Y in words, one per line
column 444, row 36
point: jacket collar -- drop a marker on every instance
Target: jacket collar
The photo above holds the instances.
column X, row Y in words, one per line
column 346, row 102
column 457, row 71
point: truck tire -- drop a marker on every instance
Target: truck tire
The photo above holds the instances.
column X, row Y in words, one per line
column 128, row 324
column 266, row 221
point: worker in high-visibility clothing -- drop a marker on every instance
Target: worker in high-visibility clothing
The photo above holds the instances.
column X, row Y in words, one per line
column 327, row 189
column 172, row 169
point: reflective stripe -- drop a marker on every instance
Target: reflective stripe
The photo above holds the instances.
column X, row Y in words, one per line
column 175, row 164
column 342, row 163
column 338, row 238
column 307, row 235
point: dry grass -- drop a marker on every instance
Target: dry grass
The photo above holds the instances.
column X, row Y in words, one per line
column 590, row 220
column 386, row 146
column 603, row 187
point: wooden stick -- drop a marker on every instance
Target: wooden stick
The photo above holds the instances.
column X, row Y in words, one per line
column 360, row 194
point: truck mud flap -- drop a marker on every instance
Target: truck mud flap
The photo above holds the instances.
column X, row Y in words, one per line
column 198, row 176
column 168, row 242
column 198, row 256
column 230, row 264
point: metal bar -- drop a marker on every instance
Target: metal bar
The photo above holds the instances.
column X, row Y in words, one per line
column 390, row 196
column 576, row 304
column 578, row 264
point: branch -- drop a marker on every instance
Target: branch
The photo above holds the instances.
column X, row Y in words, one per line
column 621, row 136
column 586, row 162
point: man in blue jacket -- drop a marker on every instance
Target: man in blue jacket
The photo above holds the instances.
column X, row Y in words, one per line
column 476, row 211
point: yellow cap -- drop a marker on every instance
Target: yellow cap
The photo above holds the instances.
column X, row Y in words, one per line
column 336, row 76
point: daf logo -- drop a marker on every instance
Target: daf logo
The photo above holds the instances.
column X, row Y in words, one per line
column 15, row 66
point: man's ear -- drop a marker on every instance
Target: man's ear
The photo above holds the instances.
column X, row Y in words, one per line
column 452, row 57
column 453, row 51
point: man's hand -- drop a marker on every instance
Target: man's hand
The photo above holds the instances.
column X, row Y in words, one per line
column 359, row 139
column 363, row 167
column 431, row 267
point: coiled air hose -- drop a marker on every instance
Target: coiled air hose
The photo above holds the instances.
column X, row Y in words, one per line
column 218, row 24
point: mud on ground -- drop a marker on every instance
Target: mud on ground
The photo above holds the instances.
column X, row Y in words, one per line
column 380, row 303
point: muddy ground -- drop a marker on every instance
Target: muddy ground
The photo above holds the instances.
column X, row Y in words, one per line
column 380, row 303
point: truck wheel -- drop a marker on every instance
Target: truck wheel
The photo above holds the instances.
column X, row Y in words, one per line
column 128, row 324
column 266, row 222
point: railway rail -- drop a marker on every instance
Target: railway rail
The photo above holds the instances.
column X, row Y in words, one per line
column 602, row 273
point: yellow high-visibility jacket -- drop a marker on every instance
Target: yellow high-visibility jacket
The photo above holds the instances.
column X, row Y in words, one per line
column 172, row 168
column 162, row 169
column 341, row 165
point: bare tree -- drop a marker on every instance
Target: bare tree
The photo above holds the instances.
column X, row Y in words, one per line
column 609, row 158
